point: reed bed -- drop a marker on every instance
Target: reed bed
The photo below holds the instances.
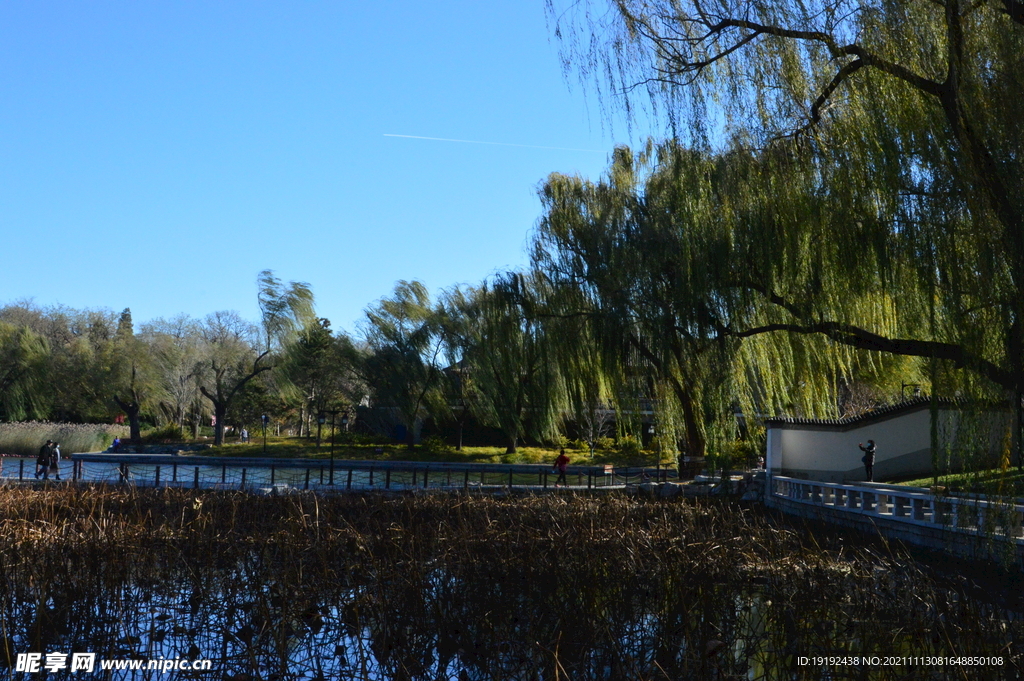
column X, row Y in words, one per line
column 24, row 438
column 428, row 587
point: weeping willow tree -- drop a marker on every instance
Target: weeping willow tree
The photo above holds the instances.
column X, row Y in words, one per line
column 401, row 368
column 511, row 361
column 888, row 137
column 657, row 258
column 23, row 359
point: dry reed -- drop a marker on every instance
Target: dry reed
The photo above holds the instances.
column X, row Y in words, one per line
column 25, row 437
column 464, row 587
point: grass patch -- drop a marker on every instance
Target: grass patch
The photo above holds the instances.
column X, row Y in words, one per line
column 296, row 447
column 994, row 481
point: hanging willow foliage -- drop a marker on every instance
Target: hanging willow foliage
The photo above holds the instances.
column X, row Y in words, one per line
column 867, row 157
column 668, row 260
column 511, row 361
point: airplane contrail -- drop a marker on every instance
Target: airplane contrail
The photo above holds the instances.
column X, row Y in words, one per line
column 502, row 144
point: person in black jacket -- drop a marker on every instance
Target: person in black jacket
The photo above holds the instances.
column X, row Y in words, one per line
column 43, row 460
column 868, row 459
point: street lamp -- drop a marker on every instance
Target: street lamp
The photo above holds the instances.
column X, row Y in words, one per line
column 265, row 420
column 344, row 422
column 915, row 386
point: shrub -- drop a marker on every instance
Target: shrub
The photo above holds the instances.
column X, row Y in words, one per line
column 170, row 431
column 629, row 446
column 436, row 446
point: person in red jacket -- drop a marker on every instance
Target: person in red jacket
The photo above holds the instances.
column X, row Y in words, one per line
column 560, row 463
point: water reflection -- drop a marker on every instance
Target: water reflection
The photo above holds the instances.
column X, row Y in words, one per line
column 468, row 589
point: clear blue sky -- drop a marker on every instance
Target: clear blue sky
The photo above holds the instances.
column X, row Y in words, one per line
column 158, row 155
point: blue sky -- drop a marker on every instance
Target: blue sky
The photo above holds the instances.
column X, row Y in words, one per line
column 158, row 155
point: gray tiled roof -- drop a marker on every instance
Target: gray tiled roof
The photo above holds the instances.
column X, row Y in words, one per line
column 884, row 411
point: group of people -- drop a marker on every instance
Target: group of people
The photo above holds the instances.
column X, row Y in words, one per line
column 48, row 460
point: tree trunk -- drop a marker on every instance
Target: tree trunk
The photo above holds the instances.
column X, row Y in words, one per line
column 132, row 411
column 511, row 449
column 220, row 410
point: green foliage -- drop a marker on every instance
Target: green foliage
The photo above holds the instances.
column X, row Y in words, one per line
column 510, row 356
column 285, row 309
column 23, row 358
column 172, row 432
column 400, row 368
column 864, row 194
column 436, row 446
column 628, row 446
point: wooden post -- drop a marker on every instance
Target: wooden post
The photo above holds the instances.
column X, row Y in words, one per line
column 414, row 477
column 273, row 474
column 307, row 479
column 223, row 473
column 174, row 473
column 195, row 479
column 242, row 486
column 387, row 479
column 349, row 479
column 465, row 481
column 156, row 481
column 510, row 477
column 371, row 476
column 544, row 479
column 21, row 470
column 425, row 483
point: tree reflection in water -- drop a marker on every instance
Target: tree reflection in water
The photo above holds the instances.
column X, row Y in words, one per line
column 456, row 587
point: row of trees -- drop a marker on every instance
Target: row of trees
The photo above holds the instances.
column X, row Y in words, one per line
column 72, row 365
column 839, row 212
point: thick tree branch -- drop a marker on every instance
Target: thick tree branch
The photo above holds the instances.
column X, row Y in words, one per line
column 854, row 336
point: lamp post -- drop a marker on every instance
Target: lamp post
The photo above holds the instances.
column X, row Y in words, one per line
column 265, row 420
column 915, row 386
column 334, row 412
column 344, row 423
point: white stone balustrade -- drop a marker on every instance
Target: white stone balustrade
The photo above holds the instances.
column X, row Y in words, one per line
column 982, row 516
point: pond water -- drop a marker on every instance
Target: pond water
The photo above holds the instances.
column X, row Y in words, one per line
column 462, row 589
column 206, row 477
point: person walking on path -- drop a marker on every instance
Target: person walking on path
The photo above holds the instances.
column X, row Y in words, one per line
column 560, row 463
column 55, row 460
column 43, row 460
column 868, row 459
